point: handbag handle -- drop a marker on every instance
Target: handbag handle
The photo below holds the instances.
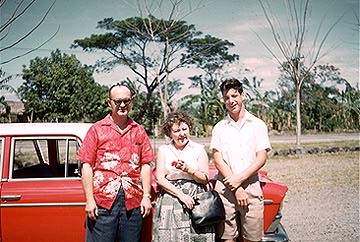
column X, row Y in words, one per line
column 210, row 186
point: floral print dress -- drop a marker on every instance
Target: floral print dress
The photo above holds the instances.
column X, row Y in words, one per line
column 172, row 221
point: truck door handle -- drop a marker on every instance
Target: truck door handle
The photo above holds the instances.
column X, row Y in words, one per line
column 10, row 198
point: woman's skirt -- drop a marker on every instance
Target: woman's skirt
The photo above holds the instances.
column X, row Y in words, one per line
column 172, row 221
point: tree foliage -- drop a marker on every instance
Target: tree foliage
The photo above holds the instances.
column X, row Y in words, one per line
column 4, row 85
column 328, row 102
column 350, row 114
column 58, row 88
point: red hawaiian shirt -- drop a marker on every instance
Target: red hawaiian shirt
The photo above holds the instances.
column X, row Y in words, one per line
column 116, row 158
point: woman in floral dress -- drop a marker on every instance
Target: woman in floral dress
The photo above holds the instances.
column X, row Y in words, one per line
column 182, row 170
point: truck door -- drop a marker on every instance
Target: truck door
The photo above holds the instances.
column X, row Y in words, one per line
column 42, row 198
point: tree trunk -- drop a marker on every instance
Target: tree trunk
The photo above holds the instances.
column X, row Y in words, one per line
column 298, row 116
column 144, row 108
column 164, row 96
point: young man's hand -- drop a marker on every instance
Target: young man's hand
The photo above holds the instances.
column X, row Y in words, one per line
column 233, row 182
column 242, row 197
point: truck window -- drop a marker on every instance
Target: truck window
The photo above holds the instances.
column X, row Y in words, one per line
column 44, row 158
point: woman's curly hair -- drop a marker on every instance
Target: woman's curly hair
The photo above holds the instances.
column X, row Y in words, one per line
column 175, row 118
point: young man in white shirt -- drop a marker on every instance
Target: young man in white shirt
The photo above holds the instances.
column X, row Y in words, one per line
column 239, row 143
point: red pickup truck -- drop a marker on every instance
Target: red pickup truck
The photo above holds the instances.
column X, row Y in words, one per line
column 41, row 194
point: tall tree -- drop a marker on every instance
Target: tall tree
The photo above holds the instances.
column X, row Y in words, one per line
column 295, row 58
column 175, row 13
column 59, row 89
column 150, row 47
column 130, row 43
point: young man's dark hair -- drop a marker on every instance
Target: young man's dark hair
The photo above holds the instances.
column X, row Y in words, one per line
column 231, row 83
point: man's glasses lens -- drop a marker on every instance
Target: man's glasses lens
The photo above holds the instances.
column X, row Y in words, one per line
column 119, row 101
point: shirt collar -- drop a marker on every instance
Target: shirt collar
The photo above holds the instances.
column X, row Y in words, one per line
column 108, row 121
column 247, row 117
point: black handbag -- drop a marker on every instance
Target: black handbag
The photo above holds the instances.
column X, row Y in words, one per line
column 208, row 209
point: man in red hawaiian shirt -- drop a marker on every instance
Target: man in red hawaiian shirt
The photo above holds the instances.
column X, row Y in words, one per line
column 116, row 173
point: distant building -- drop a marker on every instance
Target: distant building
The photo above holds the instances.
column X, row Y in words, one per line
column 14, row 112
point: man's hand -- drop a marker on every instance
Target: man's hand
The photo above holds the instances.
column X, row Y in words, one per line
column 242, row 197
column 233, row 182
column 91, row 209
column 145, row 206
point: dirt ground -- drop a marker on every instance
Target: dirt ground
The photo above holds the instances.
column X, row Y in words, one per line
column 322, row 203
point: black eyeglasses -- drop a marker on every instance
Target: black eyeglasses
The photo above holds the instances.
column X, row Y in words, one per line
column 119, row 101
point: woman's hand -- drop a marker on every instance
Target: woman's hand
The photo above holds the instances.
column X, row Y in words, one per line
column 182, row 166
column 187, row 200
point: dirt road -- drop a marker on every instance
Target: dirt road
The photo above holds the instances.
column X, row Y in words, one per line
column 322, row 203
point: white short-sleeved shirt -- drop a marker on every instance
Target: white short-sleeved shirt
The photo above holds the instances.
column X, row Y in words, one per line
column 190, row 155
column 238, row 142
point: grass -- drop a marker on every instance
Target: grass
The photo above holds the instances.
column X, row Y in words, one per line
column 348, row 143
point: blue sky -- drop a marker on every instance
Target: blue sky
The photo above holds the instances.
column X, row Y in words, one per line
column 234, row 20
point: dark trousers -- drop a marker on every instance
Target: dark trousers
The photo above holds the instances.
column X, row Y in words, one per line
column 115, row 224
